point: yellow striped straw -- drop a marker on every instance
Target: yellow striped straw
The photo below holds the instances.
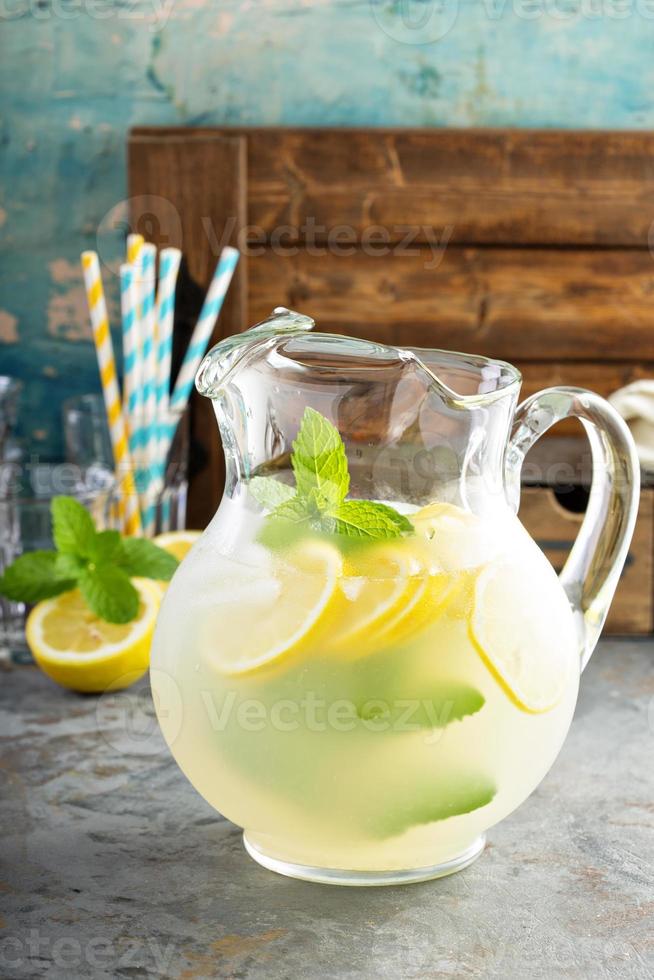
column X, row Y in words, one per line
column 134, row 243
column 107, row 365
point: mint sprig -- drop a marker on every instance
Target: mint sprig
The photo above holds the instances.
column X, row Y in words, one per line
column 322, row 482
column 99, row 563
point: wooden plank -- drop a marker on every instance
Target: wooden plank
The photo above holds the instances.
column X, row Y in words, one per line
column 531, row 187
column 601, row 377
column 596, row 376
column 555, row 528
column 514, row 304
column 192, row 194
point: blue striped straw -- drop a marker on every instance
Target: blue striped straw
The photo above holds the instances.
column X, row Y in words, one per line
column 169, row 261
column 131, row 364
column 199, row 342
column 147, row 430
column 204, row 328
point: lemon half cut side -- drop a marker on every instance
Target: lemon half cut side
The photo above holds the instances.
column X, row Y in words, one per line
column 178, row 543
column 82, row 652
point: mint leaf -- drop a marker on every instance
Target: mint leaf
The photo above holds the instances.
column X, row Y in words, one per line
column 34, row 577
column 285, row 525
column 448, row 703
column 367, row 519
column 140, row 557
column 69, row 566
column 268, row 492
column 437, row 799
column 319, row 461
column 105, row 547
column 294, row 510
column 322, row 482
column 73, row 529
column 109, row 593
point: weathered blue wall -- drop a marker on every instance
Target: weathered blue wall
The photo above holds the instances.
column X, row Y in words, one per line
column 75, row 74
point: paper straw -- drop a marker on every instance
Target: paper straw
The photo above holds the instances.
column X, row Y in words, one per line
column 168, row 269
column 131, row 359
column 134, row 243
column 147, row 430
column 169, row 261
column 203, row 329
column 133, row 405
column 132, row 367
column 197, row 348
column 110, row 391
column 135, row 410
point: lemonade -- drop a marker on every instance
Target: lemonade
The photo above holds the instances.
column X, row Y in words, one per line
column 366, row 706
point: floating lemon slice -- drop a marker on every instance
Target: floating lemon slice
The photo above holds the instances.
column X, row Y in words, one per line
column 523, row 630
column 443, row 593
column 82, row 652
column 379, row 588
column 264, row 618
column 178, row 543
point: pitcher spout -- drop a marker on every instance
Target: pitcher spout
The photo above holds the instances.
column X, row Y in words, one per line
column 222, row 360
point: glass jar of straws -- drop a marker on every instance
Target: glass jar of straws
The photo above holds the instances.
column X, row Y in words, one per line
column 88, row 445
column 144, row 421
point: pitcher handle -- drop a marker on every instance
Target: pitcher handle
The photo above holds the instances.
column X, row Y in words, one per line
column 592, row 570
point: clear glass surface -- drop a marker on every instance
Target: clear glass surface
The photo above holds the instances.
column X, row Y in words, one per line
column 86, row 432
column 26, row 491
column 88, row 444
column 9, row 395
column 367, row 709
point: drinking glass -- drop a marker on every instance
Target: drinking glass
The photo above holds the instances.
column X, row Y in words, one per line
column 9, row 392
column 88, row 444
column 86, row 432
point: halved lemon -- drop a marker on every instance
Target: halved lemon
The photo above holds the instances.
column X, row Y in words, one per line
column 274, row 615
column 523, row 630
column 178, row 543
column 84, row 653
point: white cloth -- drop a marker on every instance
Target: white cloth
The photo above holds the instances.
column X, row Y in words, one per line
column 635, row 403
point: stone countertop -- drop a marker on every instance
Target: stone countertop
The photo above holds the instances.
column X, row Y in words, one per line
column 113, row 867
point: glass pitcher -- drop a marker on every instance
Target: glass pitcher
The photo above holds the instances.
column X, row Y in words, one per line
column 365, row 661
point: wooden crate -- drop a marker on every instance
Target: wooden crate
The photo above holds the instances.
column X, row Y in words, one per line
column 545, row 514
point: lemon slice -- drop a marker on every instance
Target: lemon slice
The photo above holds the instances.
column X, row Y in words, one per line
column 178, row 543
column 380, row 586
column 82, row 652
column 524, row 632
column 265, row 618
column 443, row 593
